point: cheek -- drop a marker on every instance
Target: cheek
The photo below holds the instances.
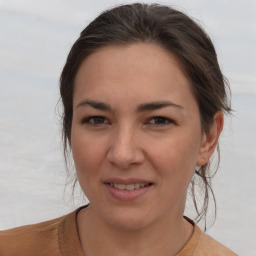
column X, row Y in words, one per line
column 175, row 158
column 87, row 154
column 175, row 167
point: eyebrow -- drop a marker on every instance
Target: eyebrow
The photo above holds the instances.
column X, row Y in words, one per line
column 95, row 104
column 141, row 108
column 157, row 105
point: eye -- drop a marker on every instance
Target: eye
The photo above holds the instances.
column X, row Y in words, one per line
column 95, row 120
column 160, row 121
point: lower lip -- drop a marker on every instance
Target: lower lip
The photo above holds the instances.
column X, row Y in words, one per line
column 126, row 195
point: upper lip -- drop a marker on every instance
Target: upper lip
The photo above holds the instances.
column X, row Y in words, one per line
column 126, row 181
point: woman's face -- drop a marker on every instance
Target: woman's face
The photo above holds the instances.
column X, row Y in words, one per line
column 136, row 135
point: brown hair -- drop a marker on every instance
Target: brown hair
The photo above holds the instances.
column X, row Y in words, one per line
column 175, row 32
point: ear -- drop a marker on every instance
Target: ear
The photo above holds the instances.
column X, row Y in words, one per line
column 210, row 140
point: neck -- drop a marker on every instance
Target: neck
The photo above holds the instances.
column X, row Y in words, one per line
column 164, row 237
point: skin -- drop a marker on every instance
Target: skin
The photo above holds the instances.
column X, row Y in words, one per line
column 128, row 141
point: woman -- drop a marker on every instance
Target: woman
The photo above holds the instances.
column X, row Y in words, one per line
column 143, row 99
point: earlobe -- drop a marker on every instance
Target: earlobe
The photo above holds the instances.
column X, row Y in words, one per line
column 210, row 140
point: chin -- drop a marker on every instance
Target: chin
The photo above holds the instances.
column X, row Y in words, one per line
column 129, row 219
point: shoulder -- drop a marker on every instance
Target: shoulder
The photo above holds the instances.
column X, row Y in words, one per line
column 31, row 239
column 201, row 244
column 207, row 246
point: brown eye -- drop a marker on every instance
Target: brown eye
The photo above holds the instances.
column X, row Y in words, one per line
column 158, row 120
column 95, row 120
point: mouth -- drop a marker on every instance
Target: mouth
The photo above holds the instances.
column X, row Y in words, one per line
column 127, row 190
column 129, row 187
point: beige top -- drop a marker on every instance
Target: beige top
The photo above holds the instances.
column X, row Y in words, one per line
column 59, row 237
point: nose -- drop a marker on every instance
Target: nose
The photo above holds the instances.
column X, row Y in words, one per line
column 125, row 150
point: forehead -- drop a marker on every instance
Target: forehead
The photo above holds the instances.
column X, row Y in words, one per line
column 142, row 70
column 138, row 55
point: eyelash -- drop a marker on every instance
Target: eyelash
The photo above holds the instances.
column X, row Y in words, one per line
column 88, row 120
column 167, row 121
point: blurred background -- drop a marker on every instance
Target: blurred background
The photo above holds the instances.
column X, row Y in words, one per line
column 35, row 38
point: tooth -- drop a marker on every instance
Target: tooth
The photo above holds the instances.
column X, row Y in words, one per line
column 121, row 186
column 137, row 185
column 129, row 187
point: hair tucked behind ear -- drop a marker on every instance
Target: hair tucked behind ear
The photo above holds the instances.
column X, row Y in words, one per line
column 173, row 31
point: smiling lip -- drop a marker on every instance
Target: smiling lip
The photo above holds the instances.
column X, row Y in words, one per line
column 128, row 189
column 126, row 181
